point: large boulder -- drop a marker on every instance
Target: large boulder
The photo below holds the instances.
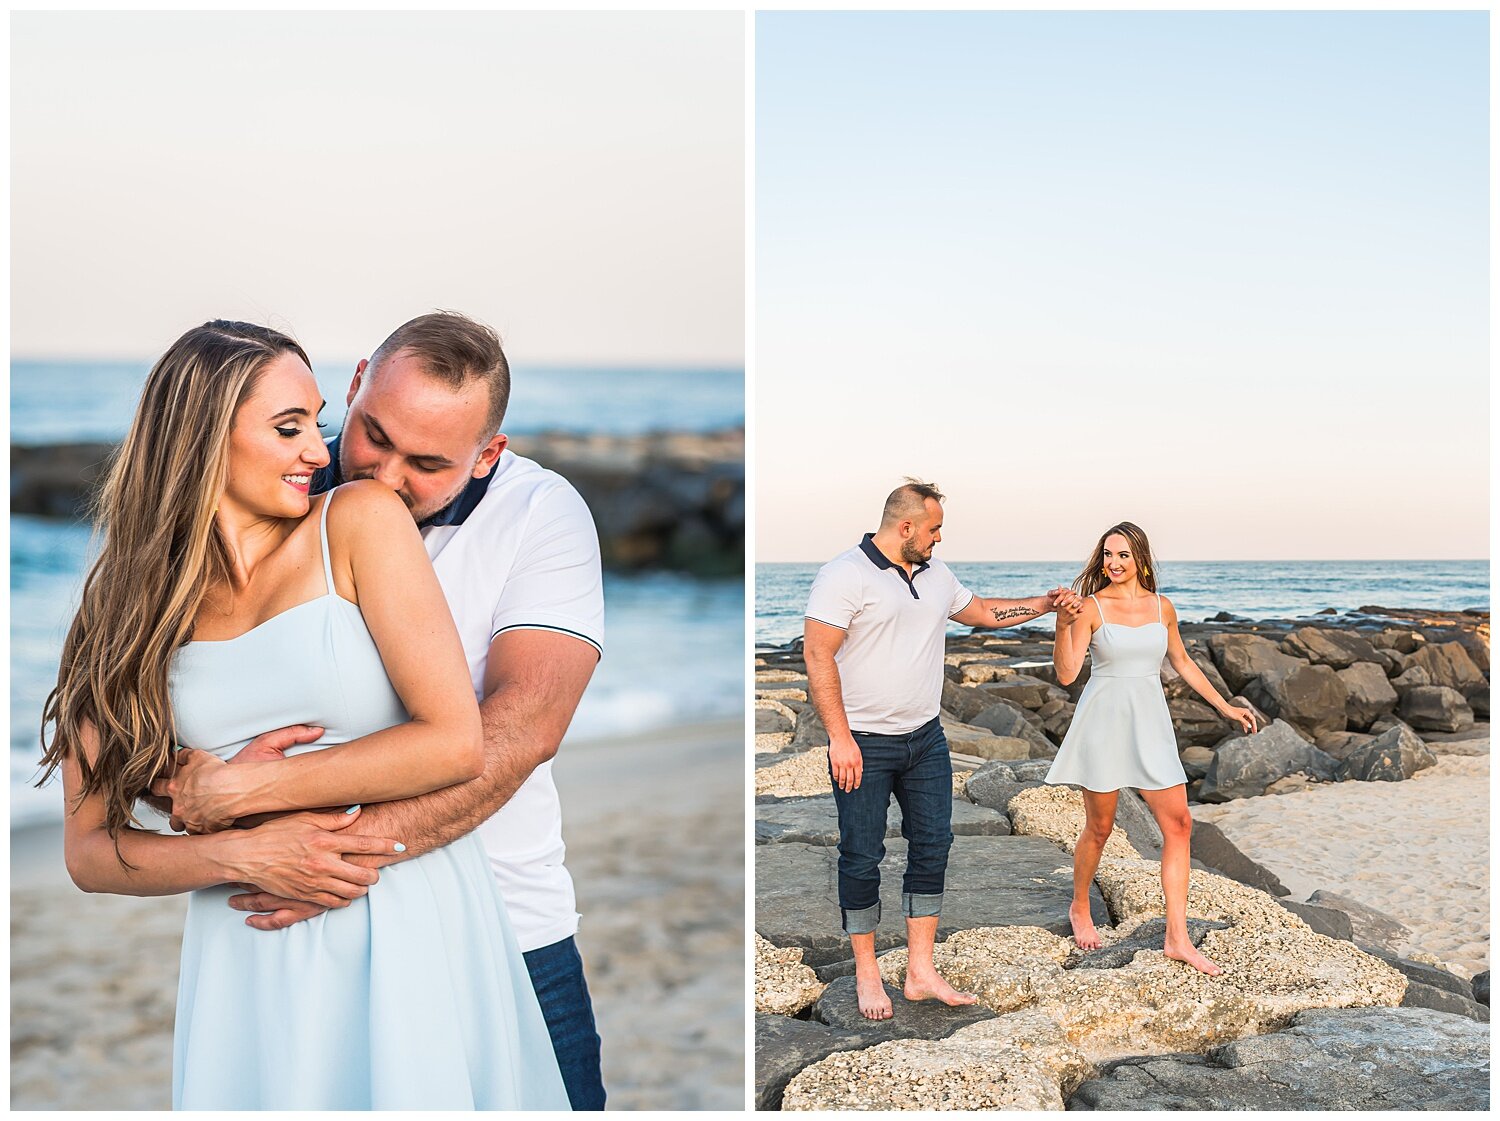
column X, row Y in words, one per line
column 1242, row 658
column 981, row 743
column 838, row 1007
column 810, row 731
column 994, row 881
column 1176, row 685
column 1448, row 663
column 784, row 1047
column 1340, row 744
column 1214, row 850
column 1372, row 928
column 1370, row 694
column 1374, row 1059
column 1245, row 766
column 1007, row 719
column 783, row 985
column 1020, row 689
column 1436, row 708
column 1193, row 721
column 1311, row 697
column 1389, row 757
column 1324, row 647
column 769, row 720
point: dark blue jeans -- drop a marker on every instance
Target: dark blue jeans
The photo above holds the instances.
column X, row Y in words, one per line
column 557, row 976
column 917, row 770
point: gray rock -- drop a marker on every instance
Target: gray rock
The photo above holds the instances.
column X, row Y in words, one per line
column 1147, row 936
column 1413, row 677
column 1419, row 995
column 995, row 784
column 1344, row 1059
column 1193, row 721
column 1022, row 690
column 1245, row 766
column 771, row 758
column 838, row 1007
column 1030, row 770
column 1420, row 972
column 1479, row 703
column 810, row 731
column 1403, row 640
column 1134, row 818
column 1324, row 920
column 1006, row 719
column 1482, row 988
column 1195, row 761
column 1242, row 658
column 1340, row 744
column 1449, row 664
column 1370, row 695
column 1371, row 927
column 1436, row 708
column 1311, row 697
column 1390, row 757
column 1390, row 661
column 981, row 743
column 1323, row 646
column 1056, row 726
column 1216, row 851
column 992, row 881
column 1175, row 685
column 784, row 1047
column 768, row 720
column 814, row 821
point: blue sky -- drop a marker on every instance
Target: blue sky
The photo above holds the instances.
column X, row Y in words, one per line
column 1224, row 274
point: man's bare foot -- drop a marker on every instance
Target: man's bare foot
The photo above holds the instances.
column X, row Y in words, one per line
column 1192, row 957
column 874, row 1001
column 933, row 987
column 1084, row 934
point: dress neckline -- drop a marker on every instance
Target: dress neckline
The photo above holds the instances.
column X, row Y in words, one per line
column 272, row 619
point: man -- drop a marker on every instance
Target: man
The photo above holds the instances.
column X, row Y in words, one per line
column 873, row 642
column 517, row 555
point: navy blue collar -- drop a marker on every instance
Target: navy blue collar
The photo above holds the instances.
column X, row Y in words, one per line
column 326, row 478
column 880, row 560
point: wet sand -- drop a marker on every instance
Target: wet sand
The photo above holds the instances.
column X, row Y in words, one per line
column 655, row 833
column 1417, row 850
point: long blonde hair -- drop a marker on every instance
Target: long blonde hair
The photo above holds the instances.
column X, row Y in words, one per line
column 161, row 553
column 1092, row 578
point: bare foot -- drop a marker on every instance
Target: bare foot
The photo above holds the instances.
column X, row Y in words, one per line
column 874, row 1001
column 1191, row 956
column 1084, row 934
column 933, row 987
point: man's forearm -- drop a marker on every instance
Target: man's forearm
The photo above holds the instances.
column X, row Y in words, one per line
column 826, row 691
column 1009, row 612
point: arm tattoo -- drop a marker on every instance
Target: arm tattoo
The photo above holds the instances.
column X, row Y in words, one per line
column 1010, row 612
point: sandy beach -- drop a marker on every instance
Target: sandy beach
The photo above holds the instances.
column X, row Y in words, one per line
column 655, row 833
column 1417, row 850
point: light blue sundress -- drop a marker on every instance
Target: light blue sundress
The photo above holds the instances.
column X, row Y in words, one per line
column 414, row 996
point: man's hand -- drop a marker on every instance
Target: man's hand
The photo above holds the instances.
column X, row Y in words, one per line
column 1069, row 608
column 273, row 912
column 846, row 762
column 301, row 856
column 274, row 745
column 195, row 804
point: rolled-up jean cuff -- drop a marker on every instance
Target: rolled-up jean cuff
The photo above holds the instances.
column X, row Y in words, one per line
column 863, row 921
column 921, row 906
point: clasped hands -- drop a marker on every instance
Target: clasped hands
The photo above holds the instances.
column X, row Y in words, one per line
column 1067, row 603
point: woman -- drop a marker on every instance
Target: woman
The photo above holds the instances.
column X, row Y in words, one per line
column 226, row 602
column 1121, row 734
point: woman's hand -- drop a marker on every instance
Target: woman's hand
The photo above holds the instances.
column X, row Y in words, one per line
column 301, row 856
column 201, row 802
column 1244, row 717
column 274, row 745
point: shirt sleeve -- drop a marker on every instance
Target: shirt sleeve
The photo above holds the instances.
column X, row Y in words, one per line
column 962, row 597
column 834, row 598
column 556, row 582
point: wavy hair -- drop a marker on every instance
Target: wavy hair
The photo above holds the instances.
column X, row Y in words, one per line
column 161, row 553
column 1092, row 578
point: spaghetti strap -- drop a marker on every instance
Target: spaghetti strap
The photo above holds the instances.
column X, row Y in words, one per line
column 1100, row 606
column 1158, row 607
column 323, row 529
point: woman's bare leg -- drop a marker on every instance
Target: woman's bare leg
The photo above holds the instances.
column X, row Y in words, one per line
column 1099, row 820
column 1170, row 809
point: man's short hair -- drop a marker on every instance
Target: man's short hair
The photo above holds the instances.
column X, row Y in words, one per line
column 455, row 350
column 909, row 500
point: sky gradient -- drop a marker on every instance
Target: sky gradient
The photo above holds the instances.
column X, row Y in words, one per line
column 1221, row 274
column 576, row 180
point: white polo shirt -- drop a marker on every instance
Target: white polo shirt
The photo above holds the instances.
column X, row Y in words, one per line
column 891, row 660
column 525, row 557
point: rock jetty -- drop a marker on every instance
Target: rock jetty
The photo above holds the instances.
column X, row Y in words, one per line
column 1316, row 991
column 673, row 500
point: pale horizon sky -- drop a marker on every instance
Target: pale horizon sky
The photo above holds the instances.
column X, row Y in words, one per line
column 575, row 180
column 1221, row 274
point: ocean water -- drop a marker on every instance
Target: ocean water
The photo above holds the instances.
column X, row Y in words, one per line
column 674, row 645
column 1198, row 589
column 58, row 402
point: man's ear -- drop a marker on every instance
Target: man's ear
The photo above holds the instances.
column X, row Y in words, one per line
column 491, row 454
column 359, row 372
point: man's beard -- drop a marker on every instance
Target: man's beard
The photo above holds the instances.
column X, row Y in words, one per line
column 913, row 555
